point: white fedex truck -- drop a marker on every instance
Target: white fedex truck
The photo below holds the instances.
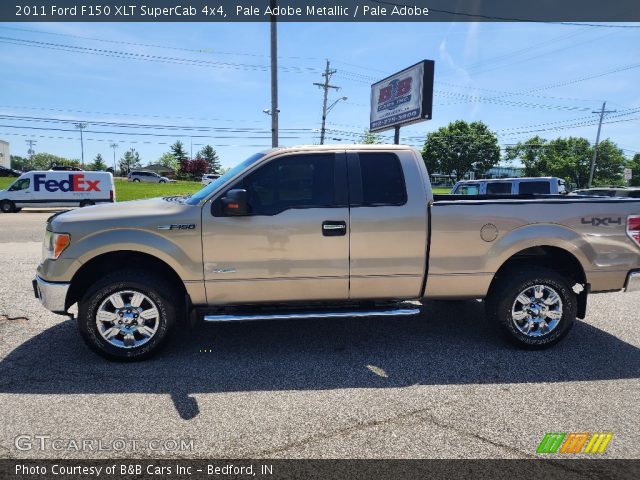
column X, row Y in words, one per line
column 57, row 189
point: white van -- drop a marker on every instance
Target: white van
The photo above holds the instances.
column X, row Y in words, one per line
column 57, row 189
column 511, row 186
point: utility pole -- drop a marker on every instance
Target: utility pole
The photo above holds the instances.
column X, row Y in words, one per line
column 274, row 77
column 81, row 126
column 595, row 148
column 114, row 146
column 325, row 86
column 31, row 151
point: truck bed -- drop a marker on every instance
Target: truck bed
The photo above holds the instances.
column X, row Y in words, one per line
column 472, row 236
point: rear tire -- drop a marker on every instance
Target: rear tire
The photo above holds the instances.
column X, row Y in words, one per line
column 534, row 307
column 7, row 206
column 127, row 315
column 86, row 203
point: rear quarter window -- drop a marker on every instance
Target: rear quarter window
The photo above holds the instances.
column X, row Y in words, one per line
column 382, row 179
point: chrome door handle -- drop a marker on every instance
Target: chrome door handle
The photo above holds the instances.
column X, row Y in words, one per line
column 334, row 228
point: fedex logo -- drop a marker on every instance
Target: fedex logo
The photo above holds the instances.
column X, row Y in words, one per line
column 75, row 183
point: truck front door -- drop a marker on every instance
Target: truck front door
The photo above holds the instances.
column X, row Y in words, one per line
column 293, row 244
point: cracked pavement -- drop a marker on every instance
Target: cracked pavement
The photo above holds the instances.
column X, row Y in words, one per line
column 441, row 385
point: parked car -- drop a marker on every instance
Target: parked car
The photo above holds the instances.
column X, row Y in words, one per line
column 9, row 172
column 631, row 192
column 146, row 176
column 511, row 186
column 49, row 188
column 332, row 231
column 207, row 178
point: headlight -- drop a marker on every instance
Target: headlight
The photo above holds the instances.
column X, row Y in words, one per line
column 54, row 244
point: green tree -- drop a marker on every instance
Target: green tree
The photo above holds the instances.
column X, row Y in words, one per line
column 370, row 138
column 208, row 153
column 178, row 151
column 168, row 160
column 569, row 158
column 460, row 148
column 44, row 161
column 634, row 165
column 20, row 163
column 129, row 161
column 98, row 164
column 530, row 153
column 610, row 163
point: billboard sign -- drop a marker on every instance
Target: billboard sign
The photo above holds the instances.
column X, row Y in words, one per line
column 628, row 175
column 403, row 98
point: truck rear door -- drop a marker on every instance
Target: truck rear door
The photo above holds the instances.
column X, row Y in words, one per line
column 388, row 218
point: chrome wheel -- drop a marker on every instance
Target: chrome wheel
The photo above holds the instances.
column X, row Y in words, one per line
column 127, row 319
column 537, row 311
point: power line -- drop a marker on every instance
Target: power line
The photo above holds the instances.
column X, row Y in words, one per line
column 147, row 126
column 152, row 58
column 139, row 133
column 138, row 115
column 149, row 45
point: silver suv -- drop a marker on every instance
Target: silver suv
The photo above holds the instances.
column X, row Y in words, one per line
column 146, row 176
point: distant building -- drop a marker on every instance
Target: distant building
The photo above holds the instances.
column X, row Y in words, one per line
column 160, row 170
column 5, row 156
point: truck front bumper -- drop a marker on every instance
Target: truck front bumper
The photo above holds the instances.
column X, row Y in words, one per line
column 633, row 282
column 52, row 295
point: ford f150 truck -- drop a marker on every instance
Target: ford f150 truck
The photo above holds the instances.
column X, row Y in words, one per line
column 336, row 231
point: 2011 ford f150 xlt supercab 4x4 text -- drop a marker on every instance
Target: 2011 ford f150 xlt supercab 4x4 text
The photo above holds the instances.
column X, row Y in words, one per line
column 314, row 231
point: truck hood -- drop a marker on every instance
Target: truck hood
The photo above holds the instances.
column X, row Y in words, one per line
column 132, row 214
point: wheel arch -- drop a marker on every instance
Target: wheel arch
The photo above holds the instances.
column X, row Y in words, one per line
column 105, row 263
column 555, row 258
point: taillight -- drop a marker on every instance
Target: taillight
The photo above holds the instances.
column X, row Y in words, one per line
column 633, row 228
column 111, row 195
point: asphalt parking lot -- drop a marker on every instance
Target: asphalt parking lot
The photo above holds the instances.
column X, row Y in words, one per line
column 438, row 385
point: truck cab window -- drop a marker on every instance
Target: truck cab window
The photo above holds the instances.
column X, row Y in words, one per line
column 296, row 181
column 21, row 184
column 382, row 180
column 469, row 189
column 534, row 187
column 498, row 188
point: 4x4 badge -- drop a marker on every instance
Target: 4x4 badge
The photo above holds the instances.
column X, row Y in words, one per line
column 605, row 221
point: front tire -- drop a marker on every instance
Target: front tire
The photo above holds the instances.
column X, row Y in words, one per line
column 136, row 180
column 535, row 307
column 7, row 206
column 127, row 316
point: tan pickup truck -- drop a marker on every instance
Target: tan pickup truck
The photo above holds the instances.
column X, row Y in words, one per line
column 336, row 231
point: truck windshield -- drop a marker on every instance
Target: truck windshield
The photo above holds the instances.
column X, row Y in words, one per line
column 203, row 194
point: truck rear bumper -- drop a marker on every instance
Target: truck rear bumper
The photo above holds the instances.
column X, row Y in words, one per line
column 51, row 295
column 633, row 282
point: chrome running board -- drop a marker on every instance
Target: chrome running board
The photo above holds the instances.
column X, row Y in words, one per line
column 317, row 314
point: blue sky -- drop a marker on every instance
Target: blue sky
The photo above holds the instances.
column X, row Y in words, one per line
column 520, row 79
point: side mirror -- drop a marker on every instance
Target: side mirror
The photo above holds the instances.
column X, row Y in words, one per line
column 234, row 204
